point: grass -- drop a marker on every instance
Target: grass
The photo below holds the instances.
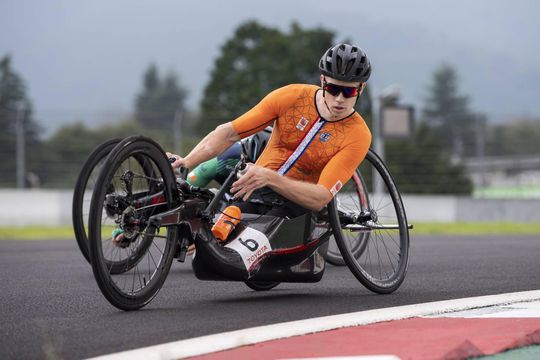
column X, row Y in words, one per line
column 476, row 228
column 37, row 233
column 66, row 232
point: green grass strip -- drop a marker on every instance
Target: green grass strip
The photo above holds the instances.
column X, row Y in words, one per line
column 37, row 233
column 476, row 228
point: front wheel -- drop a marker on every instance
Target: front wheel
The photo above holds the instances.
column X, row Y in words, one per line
column 382, row 264
column 136, row 182
column 261, row 285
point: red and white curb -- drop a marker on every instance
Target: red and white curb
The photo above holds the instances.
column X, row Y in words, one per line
column 234, row 339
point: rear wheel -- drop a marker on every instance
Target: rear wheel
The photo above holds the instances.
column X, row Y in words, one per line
column 82, row 194
column 382, row 264
column 124, row 200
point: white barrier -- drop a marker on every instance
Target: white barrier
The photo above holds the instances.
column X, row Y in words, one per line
column 53, row 207
column 35, row 207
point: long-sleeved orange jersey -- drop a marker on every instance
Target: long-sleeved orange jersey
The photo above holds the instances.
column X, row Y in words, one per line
column 333, row 154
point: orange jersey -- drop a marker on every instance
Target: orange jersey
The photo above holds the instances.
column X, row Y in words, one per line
column 331, row 157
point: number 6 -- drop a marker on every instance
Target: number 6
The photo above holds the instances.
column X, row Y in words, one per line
column 249, row 243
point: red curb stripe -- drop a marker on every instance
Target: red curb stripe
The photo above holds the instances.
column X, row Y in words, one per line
column 416, row 338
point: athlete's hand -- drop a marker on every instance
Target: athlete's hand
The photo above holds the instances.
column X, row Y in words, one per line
column 254, row 177
column 178, row 162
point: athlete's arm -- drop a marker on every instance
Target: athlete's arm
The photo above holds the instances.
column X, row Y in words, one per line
column 212, row 145
column 310, row 196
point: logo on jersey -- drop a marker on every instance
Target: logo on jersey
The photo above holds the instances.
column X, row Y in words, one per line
column 325, row 136
column 302, row 123
column 337, row 186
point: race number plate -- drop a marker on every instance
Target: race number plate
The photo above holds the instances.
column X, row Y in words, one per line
column 252, row 245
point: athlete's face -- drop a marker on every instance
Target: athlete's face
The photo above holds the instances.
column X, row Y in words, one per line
column 340, row 96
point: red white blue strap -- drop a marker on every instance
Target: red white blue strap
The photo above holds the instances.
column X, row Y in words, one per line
column 301, row 148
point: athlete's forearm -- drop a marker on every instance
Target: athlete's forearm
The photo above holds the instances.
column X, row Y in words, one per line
column 310, row 196
column 212, row 145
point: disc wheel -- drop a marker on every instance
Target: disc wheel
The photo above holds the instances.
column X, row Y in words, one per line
column 382, row 264
column 125, row 198
column 352, row 198
column 261, row 285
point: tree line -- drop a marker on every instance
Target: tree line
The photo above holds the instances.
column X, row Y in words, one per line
column 253, row 61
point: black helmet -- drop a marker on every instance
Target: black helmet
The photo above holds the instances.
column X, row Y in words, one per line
column 253, row 146
column 346, row 63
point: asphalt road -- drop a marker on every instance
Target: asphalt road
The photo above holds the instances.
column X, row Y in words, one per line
column 51, row 307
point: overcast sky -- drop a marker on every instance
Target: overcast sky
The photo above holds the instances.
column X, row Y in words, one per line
column 84, row 60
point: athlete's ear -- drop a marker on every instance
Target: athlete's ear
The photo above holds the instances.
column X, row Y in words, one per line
column 322, row 80
column 362, row 87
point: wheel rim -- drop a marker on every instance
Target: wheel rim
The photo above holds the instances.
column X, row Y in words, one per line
column 143, row 257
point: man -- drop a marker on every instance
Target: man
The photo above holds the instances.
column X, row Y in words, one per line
column 317, row 142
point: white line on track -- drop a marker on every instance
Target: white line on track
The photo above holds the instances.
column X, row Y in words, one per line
column 229, row 340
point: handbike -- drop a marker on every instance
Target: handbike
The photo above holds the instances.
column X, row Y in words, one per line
column 160, row 216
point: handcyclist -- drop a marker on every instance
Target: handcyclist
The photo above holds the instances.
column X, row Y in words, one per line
column 317, row 142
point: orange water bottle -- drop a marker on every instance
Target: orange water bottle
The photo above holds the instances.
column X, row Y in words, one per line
column 226, row 222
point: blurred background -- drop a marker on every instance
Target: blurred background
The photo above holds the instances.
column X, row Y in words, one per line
column 454, row 90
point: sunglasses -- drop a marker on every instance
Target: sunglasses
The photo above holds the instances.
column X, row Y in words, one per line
column 334, row 90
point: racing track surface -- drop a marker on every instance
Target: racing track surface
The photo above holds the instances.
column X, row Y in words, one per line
column 51, row 307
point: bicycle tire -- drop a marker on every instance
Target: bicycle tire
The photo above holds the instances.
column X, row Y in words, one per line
column 261, row 285
column 388, row 229
column 147, row 275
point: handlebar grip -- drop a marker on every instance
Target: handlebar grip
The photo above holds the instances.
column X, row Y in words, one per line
column 183, row 172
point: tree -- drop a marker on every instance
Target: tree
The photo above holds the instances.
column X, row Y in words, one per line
column 15, row 106
column 520, row 137
column 426, row 163
column 422, row 166
column 159, row 100
column 448, row 113
column 65, row 152
column 255, row 61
